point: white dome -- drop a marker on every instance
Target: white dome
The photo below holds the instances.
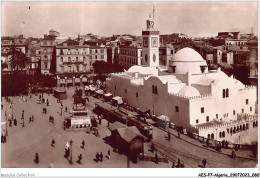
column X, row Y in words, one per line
column 188, row 60
column 187, row 55
column 189, row 91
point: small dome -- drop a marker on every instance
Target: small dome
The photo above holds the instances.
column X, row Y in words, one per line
column 187, row 55
column 189, row 91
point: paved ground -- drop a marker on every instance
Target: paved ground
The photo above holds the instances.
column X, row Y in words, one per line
column 24, row 142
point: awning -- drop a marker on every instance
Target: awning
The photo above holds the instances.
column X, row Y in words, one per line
column 164, row 118
column 92, row 88
column 101, row 92
column 118, row 99
column 108, row 94
column 144, row 110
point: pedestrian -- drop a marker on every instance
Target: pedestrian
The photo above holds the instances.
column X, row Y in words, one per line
column 30, row 119
column 204, row 162
column 101, row 156
column 233, row 154
column 23, row 114
column 169, row 136
column 80, row 158
column 108, row 153
column 10, row 123
column 178, row 163
column 97, row 156
column 207, row 142
column 2, row 138
column 83, row 144
column 53, row 143
column 173, row 165
column 15, row 122
column 36, row 158
column 66, row 109
column 156, row 158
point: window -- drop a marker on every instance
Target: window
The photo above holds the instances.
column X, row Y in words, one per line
column 217, row 116
column 77, row 68
column 156, row 91
column 46, row 65
column 224, row 93
column 77, row 59
column 171, row 51
column 61, row 59
column 115, row 87
column 69, row 68
column 96, row 51
column 61, row 52
column 136, row 95
column 69, row 59
column 242, row 110
column 176, row 108
column 102, row 51
column 84, row 58
column 125, row 90
column 197, row 121
column 220, row 134
column 202, row 110
column 207, row 118
column 251, row 108
column 247, row 101
column 146, row 58
column 95, row 57
column 223, row 134
column 234, row 112
column 227, row 93
column 62, row 69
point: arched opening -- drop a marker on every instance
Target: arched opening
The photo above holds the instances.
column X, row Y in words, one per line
column 208, row 136
column 154, row 57
column 224, row 93
column 227, row 93
column 241, row 128
column 237, row 128
column 247, row 126
column 212, row 136
column 223, row 134
column 220, row 134
column 230, row 130
column 244, row 127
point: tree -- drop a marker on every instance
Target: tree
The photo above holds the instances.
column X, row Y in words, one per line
column 103, row 67
column 17, row 58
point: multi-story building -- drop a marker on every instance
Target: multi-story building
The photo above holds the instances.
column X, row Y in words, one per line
column 72, row 63
column 34, row 54
column 166, row 54
column 97, row 53
column 129, row 56
column 47, row 45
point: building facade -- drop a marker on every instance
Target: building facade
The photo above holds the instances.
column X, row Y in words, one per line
column 47, row 45
column 129, row 56
column 72, row 63
column 189, row 93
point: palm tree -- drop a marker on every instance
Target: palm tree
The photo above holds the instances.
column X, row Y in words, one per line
column 17, row 59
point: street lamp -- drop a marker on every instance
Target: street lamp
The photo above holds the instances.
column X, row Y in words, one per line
column 61, row 107
column 23, row 118
column 6, row 124
column 71, row 151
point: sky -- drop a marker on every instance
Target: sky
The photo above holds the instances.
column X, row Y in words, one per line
column 196, row 19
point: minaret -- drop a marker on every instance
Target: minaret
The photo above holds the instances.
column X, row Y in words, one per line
column 150, row 50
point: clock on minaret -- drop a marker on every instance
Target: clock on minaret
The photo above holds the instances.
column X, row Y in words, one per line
column 154, row 42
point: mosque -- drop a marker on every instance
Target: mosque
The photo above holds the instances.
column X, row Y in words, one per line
column 191, row 95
